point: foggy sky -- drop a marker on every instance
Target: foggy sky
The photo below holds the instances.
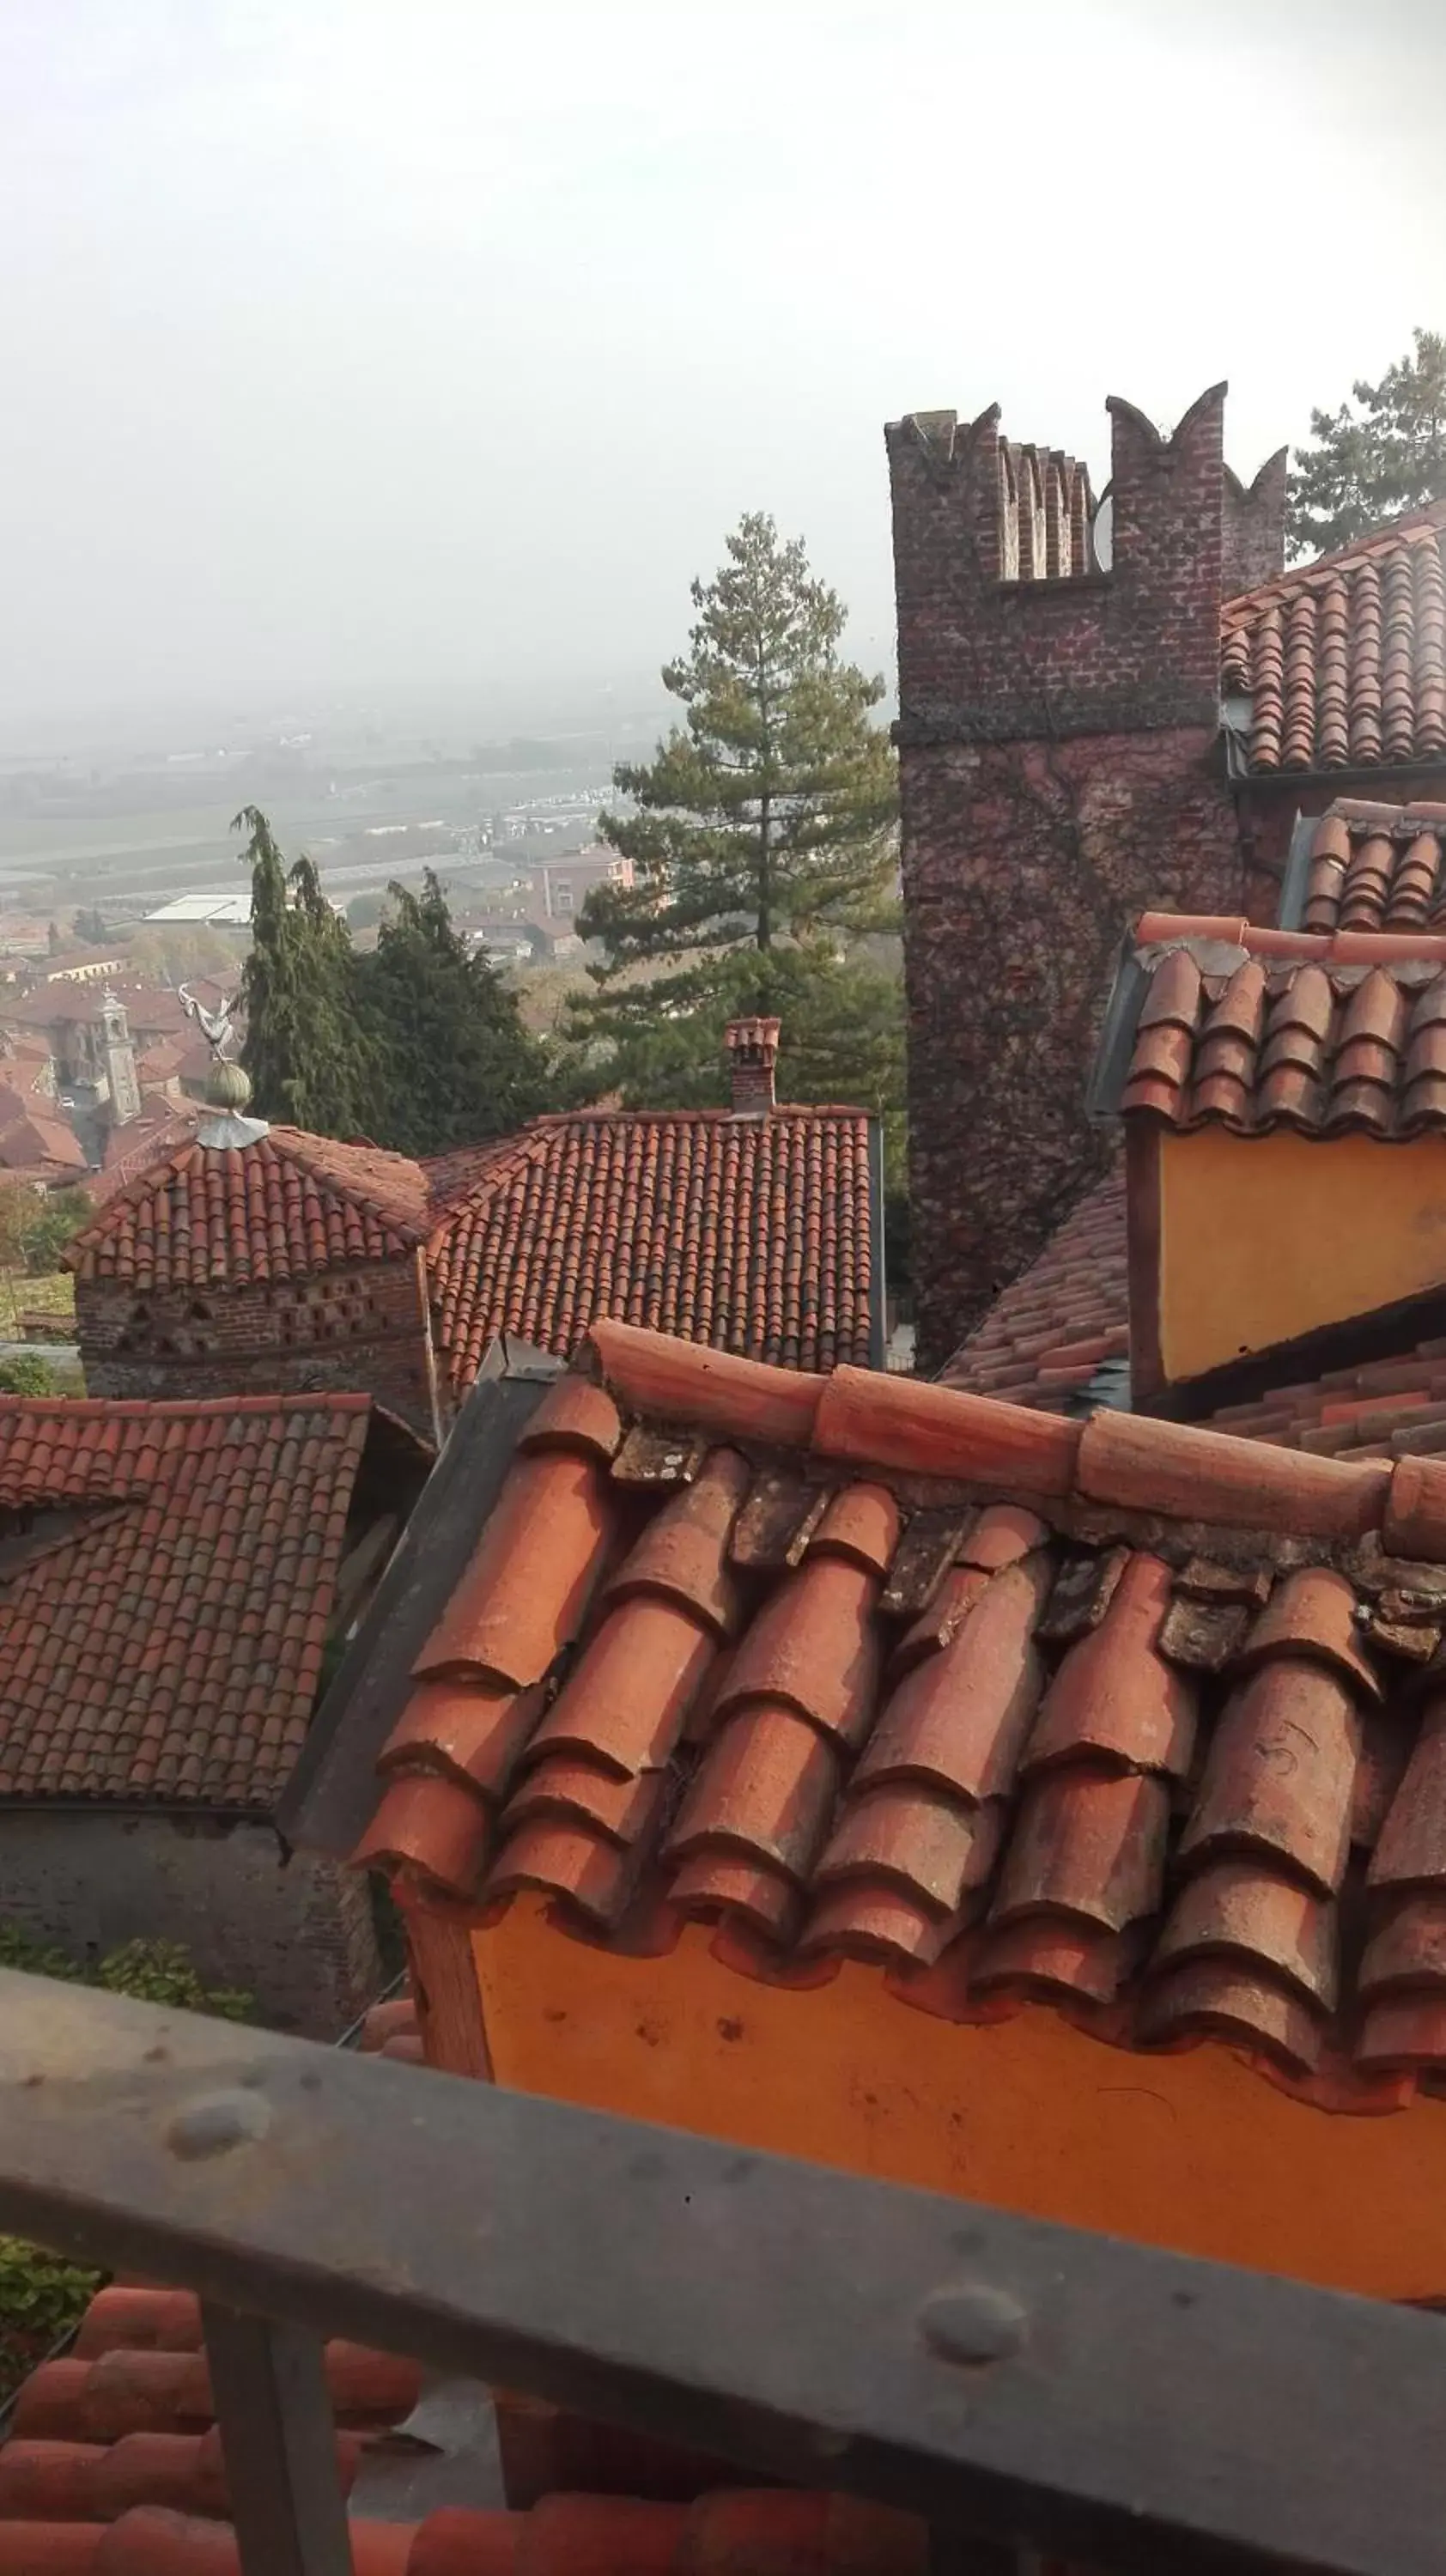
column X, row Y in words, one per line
column 358, row 342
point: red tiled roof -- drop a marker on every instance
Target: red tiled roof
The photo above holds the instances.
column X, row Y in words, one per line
column 1382, row 1408
column 1345, row 660
column 154, row 1137
column 1391, row 1407
column 34, row 1137
column 1324, row 1048
column 1048, row 1332
column 113, row 2467
column 1377, row 867
column 163, row 1639
column 282, row 1208
column 752, row 1234
column 149, row 1008
column 1143, row 1720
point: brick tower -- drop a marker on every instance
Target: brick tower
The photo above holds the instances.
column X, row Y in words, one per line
column 1060, row 769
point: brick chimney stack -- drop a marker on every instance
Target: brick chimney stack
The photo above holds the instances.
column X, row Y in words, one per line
column 752, row 1065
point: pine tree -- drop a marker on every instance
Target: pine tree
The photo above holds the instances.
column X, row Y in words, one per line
column 455, row 1063
column 1369, row 464
column 762, row 849
column 309, row 1061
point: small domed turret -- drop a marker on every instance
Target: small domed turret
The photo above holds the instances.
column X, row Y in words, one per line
column 226, row 1125
column 228, row 1086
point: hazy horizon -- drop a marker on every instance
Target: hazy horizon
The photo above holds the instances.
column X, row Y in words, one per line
column 354, row 352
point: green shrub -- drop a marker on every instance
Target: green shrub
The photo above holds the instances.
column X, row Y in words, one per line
column 161, row 1972
column 28, row 1374
column 40, row 2298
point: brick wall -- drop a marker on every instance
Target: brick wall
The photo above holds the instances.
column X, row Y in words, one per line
column 986, row 658
column 1022, row 862
column 1253, row 526
column 296, row 1934
column 363, row 1328
column 1268, row 812
column 1060, row 771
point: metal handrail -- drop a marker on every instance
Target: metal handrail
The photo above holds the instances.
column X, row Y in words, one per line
column 1021, row 2382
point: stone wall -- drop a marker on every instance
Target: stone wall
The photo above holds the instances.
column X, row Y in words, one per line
column 1022, row 864
column 1061, row 770
column 362, row 1329
column 296, row 1934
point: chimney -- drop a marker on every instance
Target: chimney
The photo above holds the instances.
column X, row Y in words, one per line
column 752, row 1064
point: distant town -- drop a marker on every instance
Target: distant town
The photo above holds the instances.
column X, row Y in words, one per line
column 121, row 878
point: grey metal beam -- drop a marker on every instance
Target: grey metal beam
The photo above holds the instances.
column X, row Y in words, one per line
column 1098, row 2400
column 331, row 1796
column 278, row 2440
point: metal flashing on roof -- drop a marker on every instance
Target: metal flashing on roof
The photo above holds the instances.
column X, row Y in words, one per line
column 1108, row 1390
column 1296, row 879
column 878, row 1277
column 1117, row 1035
column 332, row 1791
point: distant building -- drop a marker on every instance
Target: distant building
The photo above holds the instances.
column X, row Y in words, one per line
column 110, row 1052
column 216, row 910
column 182, row 1573
column 79, row 966
column 560, row 887
column 36, row 1144
column 259, row 1259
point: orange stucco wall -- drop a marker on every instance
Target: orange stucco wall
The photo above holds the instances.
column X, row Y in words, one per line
column 1195, row 2151
column 1264, row 1237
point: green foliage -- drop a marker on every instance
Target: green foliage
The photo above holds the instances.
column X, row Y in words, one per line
column 28, row 1374
column 419, row 1046
column 1385, row 456
column 41, row 2296
column 19, row 1950
column 762, row 843
column 179, row 954
column 455, row 1063
column 152, row 1972
column 90, row 924
column 36, row 1230
column 305, row 1050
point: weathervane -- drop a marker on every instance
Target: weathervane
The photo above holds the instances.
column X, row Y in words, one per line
column 218, row 1027
column 228, row 1085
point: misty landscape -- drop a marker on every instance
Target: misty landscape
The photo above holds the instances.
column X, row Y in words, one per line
column 137, row 815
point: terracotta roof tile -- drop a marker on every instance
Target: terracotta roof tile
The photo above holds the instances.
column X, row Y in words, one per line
column 284, row 1207
column 1345, row 660
column 1139, row 1757
column 751, row 1234
column 165, row 1642
column 1045, row 1336
column 523, row 1596
column 113, row 2467
column 1330, row 1033
column 1377, row 868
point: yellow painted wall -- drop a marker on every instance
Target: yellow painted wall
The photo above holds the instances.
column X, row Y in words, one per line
column 1265, row 1237
column 1195, row 2151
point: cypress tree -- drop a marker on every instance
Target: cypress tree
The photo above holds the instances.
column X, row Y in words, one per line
column 455, row 1063
column 309, row 1060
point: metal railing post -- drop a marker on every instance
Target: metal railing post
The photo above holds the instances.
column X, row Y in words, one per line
column 278, row 2439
